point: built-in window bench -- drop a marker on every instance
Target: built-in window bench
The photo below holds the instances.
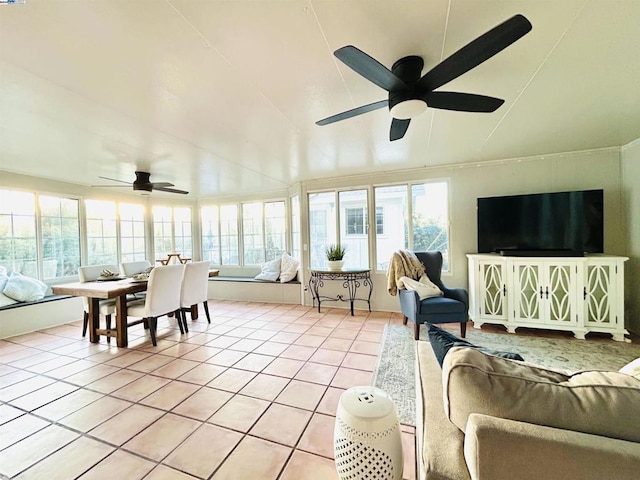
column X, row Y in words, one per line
column 249, row 289
column 25, row 317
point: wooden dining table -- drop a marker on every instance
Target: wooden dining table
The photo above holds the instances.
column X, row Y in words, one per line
column 99, row 290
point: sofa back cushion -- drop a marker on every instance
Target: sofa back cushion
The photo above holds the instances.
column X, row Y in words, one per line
column 596, row 402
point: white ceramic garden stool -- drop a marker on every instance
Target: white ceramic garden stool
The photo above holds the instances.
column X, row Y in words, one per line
column 367, row 441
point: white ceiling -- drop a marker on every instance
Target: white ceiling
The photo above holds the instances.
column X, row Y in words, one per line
column 221, row 97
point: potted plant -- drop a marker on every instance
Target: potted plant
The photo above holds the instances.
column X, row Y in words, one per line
column 335, row 256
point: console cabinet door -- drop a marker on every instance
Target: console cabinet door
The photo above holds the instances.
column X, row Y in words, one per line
column 527, row 292
column 600, row 294
column 545, row 293
column 560, row 293
column 492, row 290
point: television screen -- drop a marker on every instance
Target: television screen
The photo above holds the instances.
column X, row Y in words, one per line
column 563, row 221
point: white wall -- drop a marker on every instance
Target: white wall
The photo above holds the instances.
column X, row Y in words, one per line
column 631, row 199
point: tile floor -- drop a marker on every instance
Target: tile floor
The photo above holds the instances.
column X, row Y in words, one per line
column 252, row 395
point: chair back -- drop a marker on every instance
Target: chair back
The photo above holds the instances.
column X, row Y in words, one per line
column 433, row 265
column 129, row 269
column 90, row 273
column 163, row 290
column 195, row 283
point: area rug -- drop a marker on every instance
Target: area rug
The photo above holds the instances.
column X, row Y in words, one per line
column 395, row 372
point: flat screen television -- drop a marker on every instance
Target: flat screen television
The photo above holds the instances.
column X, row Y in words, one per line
column 561, row 223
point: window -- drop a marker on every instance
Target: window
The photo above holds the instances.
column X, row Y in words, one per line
column 60, row 227
column 379, row 221
column 182, row 231
column 354, row 227
column 263, row 231
column 428, row 229
column 322, row 226
column 275, row 230
column 356, row 221
column 18, row 241
column 430, row 219
column 102, row 241
column 172, row 231
column 392, row 201
column 209, row 219
column 132, row 237
column 229, row 235
column 252, row 233
column 295, row 227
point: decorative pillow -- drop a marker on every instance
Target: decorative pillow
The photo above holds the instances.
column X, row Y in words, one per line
column 632, row 368
column 288, row 268
column 270, row 271
column 442, row 341
column 4, row 300
column 24, row 289
column 425, row 287
column 596, row 402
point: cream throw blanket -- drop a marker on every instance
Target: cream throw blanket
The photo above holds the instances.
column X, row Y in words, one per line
column 403, row 263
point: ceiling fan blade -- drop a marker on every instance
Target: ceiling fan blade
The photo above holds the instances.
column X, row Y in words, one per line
column 474, row 53
column 369, row 68
column 111, row 186
column 113, row 180
column 462, row 102
column 170, row 190
column 354, row 112
column 398, row 128
column 158, row 185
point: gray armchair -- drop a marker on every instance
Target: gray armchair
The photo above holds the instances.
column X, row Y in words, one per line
column 452, row 307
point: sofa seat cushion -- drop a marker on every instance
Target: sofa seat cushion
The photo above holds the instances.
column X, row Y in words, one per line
column 596, row 402
column 441, row 305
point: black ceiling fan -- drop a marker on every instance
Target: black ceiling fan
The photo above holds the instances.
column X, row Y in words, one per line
column 143, row 184
column 410, row 94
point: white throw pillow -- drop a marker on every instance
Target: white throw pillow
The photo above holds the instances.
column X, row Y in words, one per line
column 288, row 268
column 270, row 271
column 632, row 368
column 425, row 287
column 24, row 289
column 4, row 300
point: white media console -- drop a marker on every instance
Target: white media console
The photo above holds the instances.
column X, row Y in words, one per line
column 580, row 294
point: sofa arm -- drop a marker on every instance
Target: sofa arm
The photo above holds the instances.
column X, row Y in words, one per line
column 497, row 448
column 409, row 303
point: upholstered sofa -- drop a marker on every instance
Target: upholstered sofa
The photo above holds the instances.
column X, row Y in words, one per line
column 496, row 447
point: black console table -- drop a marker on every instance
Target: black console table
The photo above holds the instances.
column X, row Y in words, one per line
column 351, row 279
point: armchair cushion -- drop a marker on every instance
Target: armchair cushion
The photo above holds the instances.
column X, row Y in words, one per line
column 441, row 305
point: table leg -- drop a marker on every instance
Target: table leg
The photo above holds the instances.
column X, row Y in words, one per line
column 314, row 287
column 368, row 280
column 352, row 288
column 94, row 319
column 122, row 339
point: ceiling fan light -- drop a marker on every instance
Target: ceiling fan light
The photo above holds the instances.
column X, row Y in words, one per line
column 408, row 109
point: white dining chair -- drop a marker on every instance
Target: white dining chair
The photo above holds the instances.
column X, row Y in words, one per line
column 195, row 284
column 106, row 307
column 163, row 297
column 129, row 269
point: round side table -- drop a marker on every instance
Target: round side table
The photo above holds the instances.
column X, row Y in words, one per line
column 367, row 442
